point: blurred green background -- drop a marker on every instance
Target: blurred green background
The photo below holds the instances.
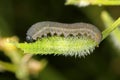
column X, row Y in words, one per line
column 16, row 16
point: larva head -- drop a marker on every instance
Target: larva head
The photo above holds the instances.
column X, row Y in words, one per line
column 35, row 31
column 29, row 39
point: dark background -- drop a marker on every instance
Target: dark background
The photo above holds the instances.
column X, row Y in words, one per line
column 16, row 16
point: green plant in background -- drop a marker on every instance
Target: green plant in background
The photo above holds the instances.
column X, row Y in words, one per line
column 115, row 35
column 92, row 2
column 24, row 65
column 21, row 65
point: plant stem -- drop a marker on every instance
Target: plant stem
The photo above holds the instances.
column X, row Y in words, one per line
column 105, row 2
column 107, row 31
column 7, row 66
column 106, row 18
column 83, row 3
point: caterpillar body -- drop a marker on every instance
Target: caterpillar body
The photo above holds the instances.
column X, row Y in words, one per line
column 54, row 28
column 77, row 39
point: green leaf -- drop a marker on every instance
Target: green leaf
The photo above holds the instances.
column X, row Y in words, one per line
column 60, row 45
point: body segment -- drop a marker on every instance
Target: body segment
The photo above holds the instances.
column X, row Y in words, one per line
column 41, row 29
